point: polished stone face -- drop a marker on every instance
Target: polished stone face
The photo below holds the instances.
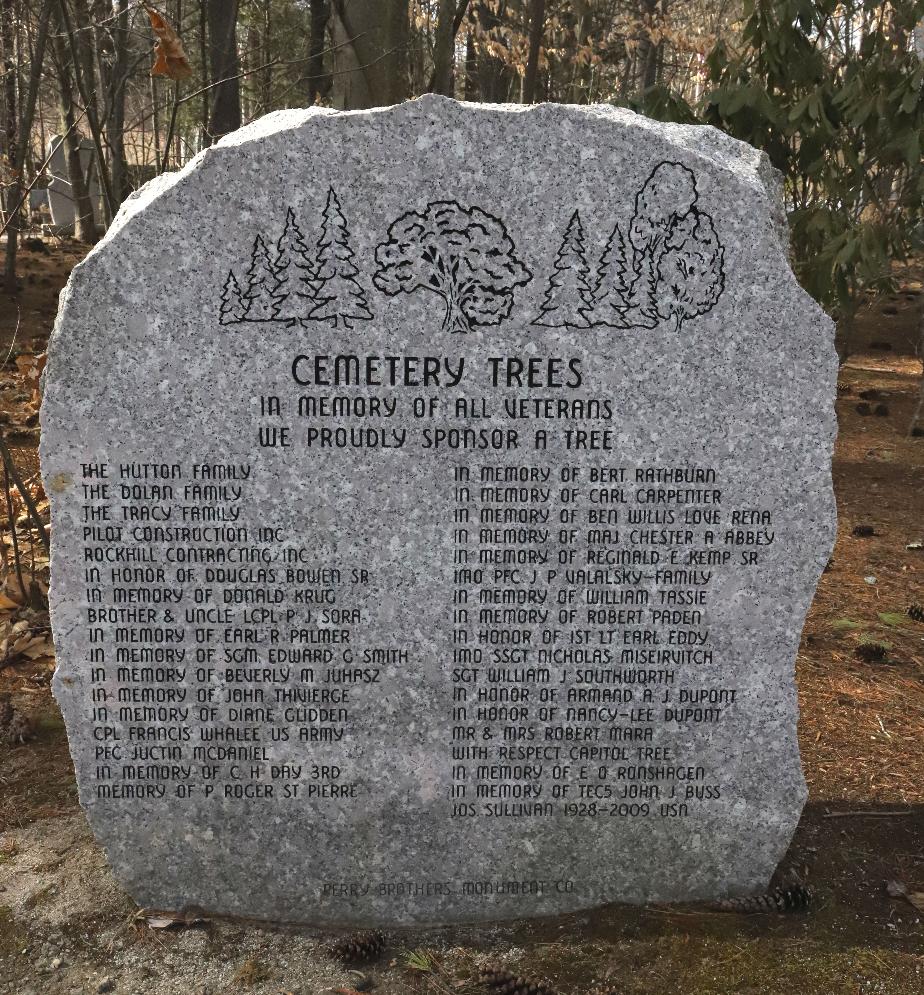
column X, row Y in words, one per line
column 438, row 493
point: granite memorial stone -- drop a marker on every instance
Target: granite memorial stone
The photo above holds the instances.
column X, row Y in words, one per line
column 438, row 493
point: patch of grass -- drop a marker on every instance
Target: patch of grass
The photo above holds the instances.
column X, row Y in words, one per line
column 421, row 960
column 734, row 965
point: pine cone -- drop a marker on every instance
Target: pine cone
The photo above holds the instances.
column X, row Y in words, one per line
column 871, row 652
column 357, row 947
column 19, row 730
column 504, row 982
column 781, row 900
column 15, row 727
column 916, row 613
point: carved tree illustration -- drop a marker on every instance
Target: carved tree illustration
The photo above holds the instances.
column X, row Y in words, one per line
column 260, row 298
column 568, row 295
column 295, row 270
column 667, row 195
column 690, row 272
column 338, row 296
column 233, row 307
column 462, row 254
column 611, row 292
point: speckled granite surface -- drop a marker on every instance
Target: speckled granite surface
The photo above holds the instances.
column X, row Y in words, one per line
column 438, row 493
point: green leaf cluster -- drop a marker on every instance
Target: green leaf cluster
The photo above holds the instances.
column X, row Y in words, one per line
column 832, row 92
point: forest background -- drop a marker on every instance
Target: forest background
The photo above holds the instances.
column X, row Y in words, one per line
column 832, row 91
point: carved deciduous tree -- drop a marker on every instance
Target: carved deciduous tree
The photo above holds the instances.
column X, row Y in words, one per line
column 666, row 196
column 691, row 273
column 462, row 254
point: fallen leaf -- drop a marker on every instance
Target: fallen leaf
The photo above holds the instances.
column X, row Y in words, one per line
column 917, row 899
column 169, row 57
column 39, row 647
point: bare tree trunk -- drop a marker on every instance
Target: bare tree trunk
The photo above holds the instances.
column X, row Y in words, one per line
column 266, row 55
column 10, row 115
column 84, row 75
column 579, row 86
column 370, row 54
column 471, row 66
column 85, row 222
column 647, row 50
column 536, row 31
column 443, row 49
column 115, row 129
column 22, row 148
column 155, row 125
column 318, row 82
column 224, row 69
column 494, row 75
column 204, row 63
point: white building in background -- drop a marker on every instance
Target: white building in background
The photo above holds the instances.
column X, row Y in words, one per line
column 60, row 199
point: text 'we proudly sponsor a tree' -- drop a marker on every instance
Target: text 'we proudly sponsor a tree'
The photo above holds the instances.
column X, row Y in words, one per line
column 462, row 254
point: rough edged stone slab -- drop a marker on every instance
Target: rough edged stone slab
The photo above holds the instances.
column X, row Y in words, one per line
column 577, row 723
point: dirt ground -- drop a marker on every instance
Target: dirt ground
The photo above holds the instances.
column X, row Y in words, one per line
column 66, row 926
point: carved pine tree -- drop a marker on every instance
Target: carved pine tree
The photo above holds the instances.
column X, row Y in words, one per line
column 339, row 297
column 262, row 285
column 611, row 293
column 233, row 307
column 568, row 296
column 296, row 271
